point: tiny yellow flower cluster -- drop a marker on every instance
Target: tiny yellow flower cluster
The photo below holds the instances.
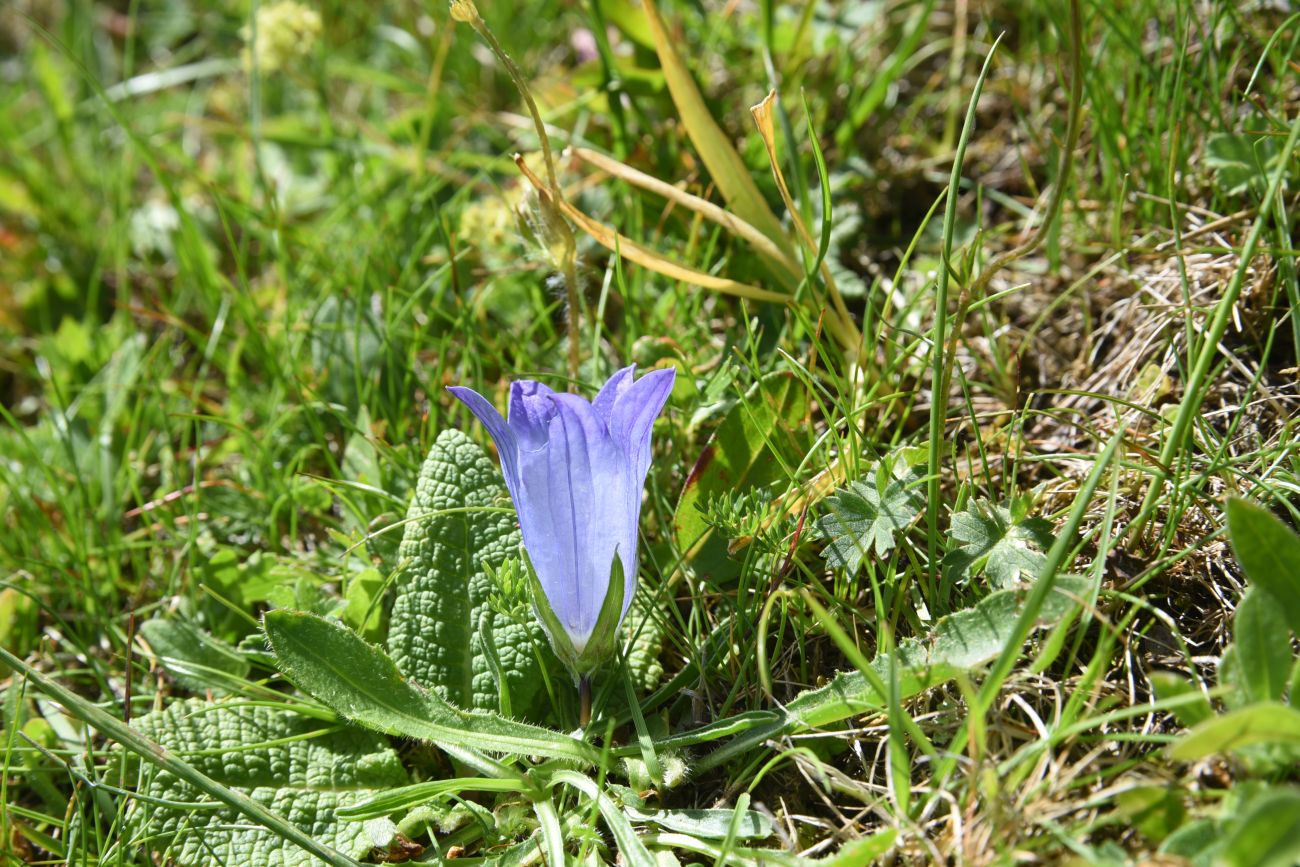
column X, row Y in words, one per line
column 488, row 223
column 464, row 11
column 286, row 31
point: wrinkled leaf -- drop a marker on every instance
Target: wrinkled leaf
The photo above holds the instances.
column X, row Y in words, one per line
column 276, row 757
column 456, row 533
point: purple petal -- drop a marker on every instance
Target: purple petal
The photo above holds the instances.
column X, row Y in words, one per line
column 574, row 514
column 634, row 416
column 530, row 413
column 610, row 392
column 496, row 426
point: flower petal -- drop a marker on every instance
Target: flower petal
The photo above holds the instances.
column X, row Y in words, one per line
column 634, row 416
column 610, row 392
column 496, row 426
column 574, row 516
column 530, row 412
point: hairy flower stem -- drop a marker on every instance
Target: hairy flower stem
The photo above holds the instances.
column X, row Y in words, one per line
column 552, row 222
column 584, row 697
column 574, row 302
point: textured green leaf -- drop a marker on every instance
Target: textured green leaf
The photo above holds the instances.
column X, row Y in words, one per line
column 645, row 650
column 1263, row 645
column 334, row 664
column 709, row 823
column 869, row 513
column 276, row 757
column 959, row 642
column 405, row 797
column 444, row 589
column 989, row 540
column 1262, row 723
column 1270, row 553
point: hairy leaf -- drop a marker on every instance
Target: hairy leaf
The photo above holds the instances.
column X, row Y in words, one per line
column 1267, row 834
column 1265, row 722
column 196, row 659
column 456, row 534
column 1263, row 645
column 334, row 664
column 990, row 540
column 959, row 642
column 296, row 766
column 868, row 513
column 1270, row 553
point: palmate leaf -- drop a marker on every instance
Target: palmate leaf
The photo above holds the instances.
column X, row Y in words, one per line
column 456, row 535
column 280, row 759
column 869, row 513
column 993, row 541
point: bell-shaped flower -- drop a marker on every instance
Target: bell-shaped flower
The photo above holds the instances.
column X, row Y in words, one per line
column 575, row 471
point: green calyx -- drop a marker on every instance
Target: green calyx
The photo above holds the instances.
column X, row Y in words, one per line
column 603, row 642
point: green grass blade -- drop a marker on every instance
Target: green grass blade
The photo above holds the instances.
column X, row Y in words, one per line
column 938, row 402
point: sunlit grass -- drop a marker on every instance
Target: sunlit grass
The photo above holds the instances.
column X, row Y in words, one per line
column 232, row 299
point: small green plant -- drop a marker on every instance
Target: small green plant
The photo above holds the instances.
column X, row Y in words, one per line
column 1259, row 686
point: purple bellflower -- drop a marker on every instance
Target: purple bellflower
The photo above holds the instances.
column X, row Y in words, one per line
column 575, row 471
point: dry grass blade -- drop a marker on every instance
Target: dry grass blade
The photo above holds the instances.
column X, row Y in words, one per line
column 746, row 231
column 841, row 322
column 634, row 252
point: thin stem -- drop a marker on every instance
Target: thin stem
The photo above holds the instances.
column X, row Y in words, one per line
column 938, row 402
column 552, row 221
column 573, row 301
column 584, row 697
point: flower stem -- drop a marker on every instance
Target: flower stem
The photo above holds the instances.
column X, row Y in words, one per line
column 584, row 696
column 575, row 313
column 554, row 226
